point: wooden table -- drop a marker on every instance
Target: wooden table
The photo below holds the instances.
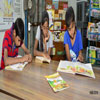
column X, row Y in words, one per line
column 30, row 84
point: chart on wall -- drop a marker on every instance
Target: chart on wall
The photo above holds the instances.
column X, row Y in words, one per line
column 9, row 11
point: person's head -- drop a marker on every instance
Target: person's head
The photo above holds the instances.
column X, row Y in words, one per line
column 45, row 23
column 18, row 32
column 70, row 21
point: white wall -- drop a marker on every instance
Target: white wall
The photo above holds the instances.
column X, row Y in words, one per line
column 73, row 4
column 1, row 40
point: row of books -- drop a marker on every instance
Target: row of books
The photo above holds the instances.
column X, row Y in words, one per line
column 55, row 20
column 95, row 13
column 93, row 52
column 93, row 28
column 55, row 5
column 57, row 16
column 95, row 3
column 58, row 36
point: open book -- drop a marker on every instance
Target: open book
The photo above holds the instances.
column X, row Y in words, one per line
column 76, row 68
column 42, row 59
column 16, row 67
column 56, row 82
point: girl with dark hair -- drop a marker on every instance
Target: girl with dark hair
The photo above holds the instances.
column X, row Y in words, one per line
column 13, row 39
column 72, row 38
column 43, row 40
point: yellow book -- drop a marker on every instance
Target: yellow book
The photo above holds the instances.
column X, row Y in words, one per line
column 92, row 53
column 57, row 25
column 56, row 82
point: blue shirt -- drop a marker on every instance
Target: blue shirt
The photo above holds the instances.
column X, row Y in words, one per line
column 77, row 46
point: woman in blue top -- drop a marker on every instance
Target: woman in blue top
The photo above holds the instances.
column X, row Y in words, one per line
column 72, row 38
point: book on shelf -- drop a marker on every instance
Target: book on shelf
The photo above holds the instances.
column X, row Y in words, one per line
column 16, row 67
column 92, row 53
column 55, row 4
column 95, row 13
column 92, row 28
column 98, row 55
column 76, row 68
column 56, row 82
column 61, row 35
column 57, row 25
column 95, row 3
column 65, row 6
column 62, row 14
column 51, row 17
column 56, row 17
column 41, row 59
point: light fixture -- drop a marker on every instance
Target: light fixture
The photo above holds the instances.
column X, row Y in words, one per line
column 29, row 4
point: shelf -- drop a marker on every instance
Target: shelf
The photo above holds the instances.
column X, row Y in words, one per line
column 58, row 57
column 58, row 30
column 95, row 8
column 94, row 33
column 94, row 40
column 94, row 58
column 58, row 27
column 58, row 42
column 58, row 20
column 94, row 18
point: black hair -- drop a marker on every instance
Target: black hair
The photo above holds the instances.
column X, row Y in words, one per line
column 19, row 28
column 45, row 17
column 70, row 16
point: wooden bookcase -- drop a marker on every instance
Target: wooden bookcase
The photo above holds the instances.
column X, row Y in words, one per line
column 59, row 27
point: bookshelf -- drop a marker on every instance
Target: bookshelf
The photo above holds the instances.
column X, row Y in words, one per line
column 57, row 10
column 94, row 32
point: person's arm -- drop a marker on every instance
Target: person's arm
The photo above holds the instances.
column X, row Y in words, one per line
column 49, row 51
column 80, row 56
column 27, row 52
column 25, row 49
column 50, row 38
column 39, row 53
column 67, row 52
column 36, row 52
column 12, row 60
column 45, row 48
column 45, row 39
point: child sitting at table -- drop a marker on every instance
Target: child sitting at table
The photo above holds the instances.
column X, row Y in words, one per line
column 72, row 38
column 44, row 39
column 13, row 39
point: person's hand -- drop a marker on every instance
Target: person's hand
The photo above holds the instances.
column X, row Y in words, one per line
column 80, row 58
column 24, row 58
column 45, row 55
column 29, row 57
